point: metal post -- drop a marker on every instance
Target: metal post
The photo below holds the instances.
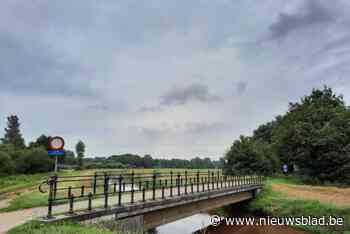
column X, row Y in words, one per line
column 213, row 180
column 171, row 183
column 69, row 191
column 162, row 192
column 191, row 187
column 106, row 189
column 56, row 164
column 95, row 183
column 90, row 202
column 154, row 186
column 217, row 179
column 120, row 179
column 186, row 182
column 202, row 184
column 71, row 206
column 55, row 186
column 143, row 194
column 197, row 181
column 178, row 183
column 82, row 191
column 132, row 187
column 50, row 200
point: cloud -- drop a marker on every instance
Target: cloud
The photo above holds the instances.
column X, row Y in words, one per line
column 29, row 67
column 313, row 12
column 241, row 87
column 193, row 92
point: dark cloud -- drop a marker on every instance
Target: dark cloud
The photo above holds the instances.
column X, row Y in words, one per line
column 312, row 13
column 27, row 67
column 193, row 92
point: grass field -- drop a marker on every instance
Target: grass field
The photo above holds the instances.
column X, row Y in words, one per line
column 279, row 204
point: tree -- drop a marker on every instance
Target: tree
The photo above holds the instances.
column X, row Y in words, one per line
column 147, row 161
column 80, row 150
column 7, row 166
column 69, row 157
column 314, row 136
column 41, row 141
column 246, row 156
column 12, row 133
column 34, row 160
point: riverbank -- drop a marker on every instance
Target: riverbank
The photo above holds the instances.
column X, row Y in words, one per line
column 278, row 202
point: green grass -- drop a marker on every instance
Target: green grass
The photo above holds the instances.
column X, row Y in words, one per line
column 276, row 204
column 61, row 228
column 27, row 200
column 17, row 182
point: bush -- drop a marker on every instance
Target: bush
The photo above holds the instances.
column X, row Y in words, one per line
column 33, row 161
column 7, row 166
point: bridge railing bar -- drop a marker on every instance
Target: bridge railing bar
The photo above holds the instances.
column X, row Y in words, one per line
column 125, row 184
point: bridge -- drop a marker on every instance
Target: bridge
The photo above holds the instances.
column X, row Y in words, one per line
column 156, row 198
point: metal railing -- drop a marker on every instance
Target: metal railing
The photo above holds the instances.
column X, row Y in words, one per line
column 125, row 186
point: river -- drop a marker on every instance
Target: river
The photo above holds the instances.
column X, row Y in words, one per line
column 199, row 224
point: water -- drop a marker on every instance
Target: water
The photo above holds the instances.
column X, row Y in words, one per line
column 199, row 223
column 184, row 226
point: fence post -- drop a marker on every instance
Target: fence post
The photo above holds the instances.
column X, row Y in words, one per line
column 82, row 191
column 120, row 179
column 106, row 189
column 132, row 186
column 178, row 183
column 186, row 182
column 197, row 181
column 50, row 200
column 217, row 179
column 202, row 184
column 162, row 192
column 143, row 194
column 95, row 183
column 90, row 202
column 71, row 206
column 171, row 183
column 213, row 180
column 154, row 186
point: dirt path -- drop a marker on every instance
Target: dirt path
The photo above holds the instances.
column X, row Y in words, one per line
column 339, row 197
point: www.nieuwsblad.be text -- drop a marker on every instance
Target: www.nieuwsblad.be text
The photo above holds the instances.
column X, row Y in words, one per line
column 216, row 220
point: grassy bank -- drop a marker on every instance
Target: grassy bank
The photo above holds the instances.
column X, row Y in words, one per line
column 35, row 227
column 63, row 228
column 277, row 204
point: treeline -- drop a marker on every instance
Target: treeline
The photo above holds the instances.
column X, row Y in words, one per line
column 17, row 157
column 136, row 161
column 312, row 138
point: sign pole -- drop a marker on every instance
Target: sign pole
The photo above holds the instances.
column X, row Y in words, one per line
column 56, row 164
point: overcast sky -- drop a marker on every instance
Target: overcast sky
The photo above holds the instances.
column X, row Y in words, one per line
column 169, row 78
